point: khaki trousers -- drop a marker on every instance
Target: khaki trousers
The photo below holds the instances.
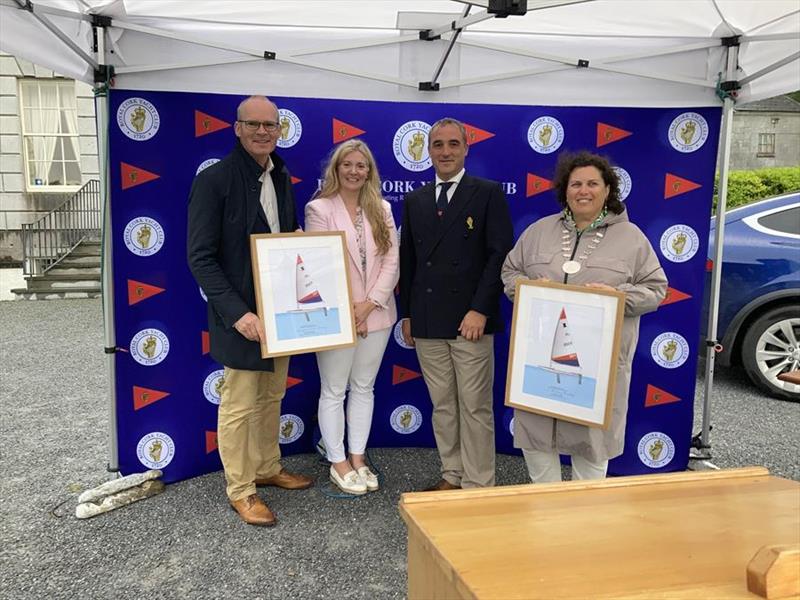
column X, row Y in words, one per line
column 459, row 375
column 247, row 426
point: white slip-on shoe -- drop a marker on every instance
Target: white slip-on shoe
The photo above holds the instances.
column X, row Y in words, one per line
column 369, row 478
column 350, row 484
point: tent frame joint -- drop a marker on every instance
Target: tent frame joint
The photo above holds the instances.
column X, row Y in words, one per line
column 731, row 41
column 426, row 35
column 428, row 86
column 268, row 55
column 103, row 73
column 582, row 63
column 730, row 86
column 101, row 21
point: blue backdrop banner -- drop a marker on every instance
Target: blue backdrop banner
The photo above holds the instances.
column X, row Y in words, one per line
column 166, row 383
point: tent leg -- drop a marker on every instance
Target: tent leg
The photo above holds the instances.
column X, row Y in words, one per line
column 713, row 302
column 101, row 122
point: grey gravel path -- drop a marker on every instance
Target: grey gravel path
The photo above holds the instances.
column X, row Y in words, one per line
column 186, row 543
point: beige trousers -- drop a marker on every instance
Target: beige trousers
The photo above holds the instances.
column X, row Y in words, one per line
column 459, row 375
column 545, row 467
column 247, row 426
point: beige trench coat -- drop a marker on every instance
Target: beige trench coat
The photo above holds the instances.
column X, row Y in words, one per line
column 623, row 259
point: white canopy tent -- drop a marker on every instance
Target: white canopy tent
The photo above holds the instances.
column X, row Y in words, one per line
column 560, row 52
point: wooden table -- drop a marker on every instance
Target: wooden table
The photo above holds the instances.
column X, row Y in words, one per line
column 680, row 535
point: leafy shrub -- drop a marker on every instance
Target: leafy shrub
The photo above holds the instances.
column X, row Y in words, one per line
column 745, row 187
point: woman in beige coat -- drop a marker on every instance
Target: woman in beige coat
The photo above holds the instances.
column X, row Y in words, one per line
column 592, row 243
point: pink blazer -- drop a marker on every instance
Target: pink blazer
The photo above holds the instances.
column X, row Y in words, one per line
column 383, row 271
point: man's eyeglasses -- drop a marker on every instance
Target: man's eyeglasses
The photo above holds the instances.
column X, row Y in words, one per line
column 255, row 125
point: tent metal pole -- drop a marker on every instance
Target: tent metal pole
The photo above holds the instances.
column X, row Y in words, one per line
column 101, row 122
column 716, row 273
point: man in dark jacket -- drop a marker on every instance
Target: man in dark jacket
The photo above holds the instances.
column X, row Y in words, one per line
column 247, row 192
column 456, row 233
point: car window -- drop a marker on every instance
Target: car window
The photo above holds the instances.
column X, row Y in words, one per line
column 785, row 221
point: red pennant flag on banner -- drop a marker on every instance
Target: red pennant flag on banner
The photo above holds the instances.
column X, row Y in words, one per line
column 211, row 441
column 344, row 131
column 475, row 135
column 673, row 296
column 607, row 134
column 536, row 185
column 133, row 176
column 292, row 381
column 296, row 180
column 144, row 396
column 138, row 291
column 675, row 186
column 206, row 343
column 205, row 124
column 656, row 396
column 401, row 374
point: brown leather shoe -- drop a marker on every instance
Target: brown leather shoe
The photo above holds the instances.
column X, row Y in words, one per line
column 253, row 511
column 287, row 481
column 442, row 485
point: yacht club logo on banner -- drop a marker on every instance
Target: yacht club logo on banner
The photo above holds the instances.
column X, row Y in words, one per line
column 291, row 428
column 406, row 419
column 656, row 449
column 545, row 135
column 688, row 132
column 205, row 164
column 398, row 336
column 679, row 243
column 138, row 119
column 291, row 128
column 670, row 350
column 212, row 386
column 410, row 145
column 149, row 347
column 143, row 236
column 155, row 450
column 625, row 183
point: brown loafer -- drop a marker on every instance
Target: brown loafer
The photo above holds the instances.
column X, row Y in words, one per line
column 442, row 485
column 253, row 511
column 287, row 481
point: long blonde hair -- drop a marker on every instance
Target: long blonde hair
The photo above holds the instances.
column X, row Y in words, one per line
column 369, row 197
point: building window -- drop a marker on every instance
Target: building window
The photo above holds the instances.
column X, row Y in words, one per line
column 51, row 144
column 766, row 144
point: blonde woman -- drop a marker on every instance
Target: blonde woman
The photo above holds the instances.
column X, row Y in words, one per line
column 350, row 200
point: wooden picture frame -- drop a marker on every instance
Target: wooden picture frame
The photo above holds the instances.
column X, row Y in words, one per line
column 565, row 342
column 303, row 294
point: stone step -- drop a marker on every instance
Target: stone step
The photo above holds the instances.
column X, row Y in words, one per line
column 74, row 261
column 87, row 249
column 62, row 282
column 90, row 270
column 83, row 292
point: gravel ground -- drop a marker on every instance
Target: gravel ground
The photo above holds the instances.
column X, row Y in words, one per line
column 186, row 543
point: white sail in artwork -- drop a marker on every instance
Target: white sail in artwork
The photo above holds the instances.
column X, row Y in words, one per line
column 307, row 292
column 563, row 356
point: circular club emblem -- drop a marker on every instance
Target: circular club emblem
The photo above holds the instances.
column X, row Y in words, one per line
column 656, row 449
column 155, row 450
column 138, row 119
column 205, row 164
column 679, row 243
column 149, row 347
column 670, row 350
column 545, row 135
column 291, row 428
column 212, row 385
column 398, row 336
column 291, row 128
column 511, row 427
column 406, row 419
column 410, row 145
column 625, row 183
column 688, row 132
column 144, row 236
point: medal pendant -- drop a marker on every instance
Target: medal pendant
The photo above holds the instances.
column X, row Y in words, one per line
column 571, row 267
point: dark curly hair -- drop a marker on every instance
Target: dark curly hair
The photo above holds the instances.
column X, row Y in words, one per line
column 568, row 162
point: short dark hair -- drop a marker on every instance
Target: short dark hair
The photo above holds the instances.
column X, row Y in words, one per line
column 448, row 121
column 568, row 162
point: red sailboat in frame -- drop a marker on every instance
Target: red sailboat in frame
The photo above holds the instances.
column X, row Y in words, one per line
column 563, row 356
column 307, row 294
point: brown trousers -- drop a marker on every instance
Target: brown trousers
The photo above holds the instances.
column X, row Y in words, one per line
column 459, row 375
column 247, row 426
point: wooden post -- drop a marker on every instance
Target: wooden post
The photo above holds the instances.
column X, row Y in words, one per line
column 774, row 571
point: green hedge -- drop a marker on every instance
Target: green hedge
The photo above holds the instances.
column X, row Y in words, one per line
column 745, row 187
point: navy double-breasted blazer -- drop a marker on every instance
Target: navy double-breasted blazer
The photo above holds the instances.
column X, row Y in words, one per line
column 451, row 265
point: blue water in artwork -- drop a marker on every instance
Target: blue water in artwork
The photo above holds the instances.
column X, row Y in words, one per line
column 297, row 325
column 539, row 381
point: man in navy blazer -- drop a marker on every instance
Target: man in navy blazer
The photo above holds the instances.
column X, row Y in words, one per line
column 249, row 191
column 456, row 233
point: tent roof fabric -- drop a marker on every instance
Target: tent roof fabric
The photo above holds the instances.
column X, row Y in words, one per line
column 654, row 53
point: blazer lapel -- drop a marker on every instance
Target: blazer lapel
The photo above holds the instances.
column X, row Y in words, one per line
column 455, row 209
column 343, row 223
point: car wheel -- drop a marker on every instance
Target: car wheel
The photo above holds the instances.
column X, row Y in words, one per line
column 770, row 347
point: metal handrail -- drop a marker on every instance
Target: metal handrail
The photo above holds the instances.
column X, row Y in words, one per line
column 50, row 238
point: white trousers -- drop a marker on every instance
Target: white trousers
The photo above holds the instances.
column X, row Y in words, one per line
column 545, row 467
column 357, row 366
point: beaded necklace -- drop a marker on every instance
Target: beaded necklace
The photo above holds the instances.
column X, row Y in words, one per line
column 572, row 266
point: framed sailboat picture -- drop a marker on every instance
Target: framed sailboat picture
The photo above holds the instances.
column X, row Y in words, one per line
column 565, row 340
column 302, row 292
